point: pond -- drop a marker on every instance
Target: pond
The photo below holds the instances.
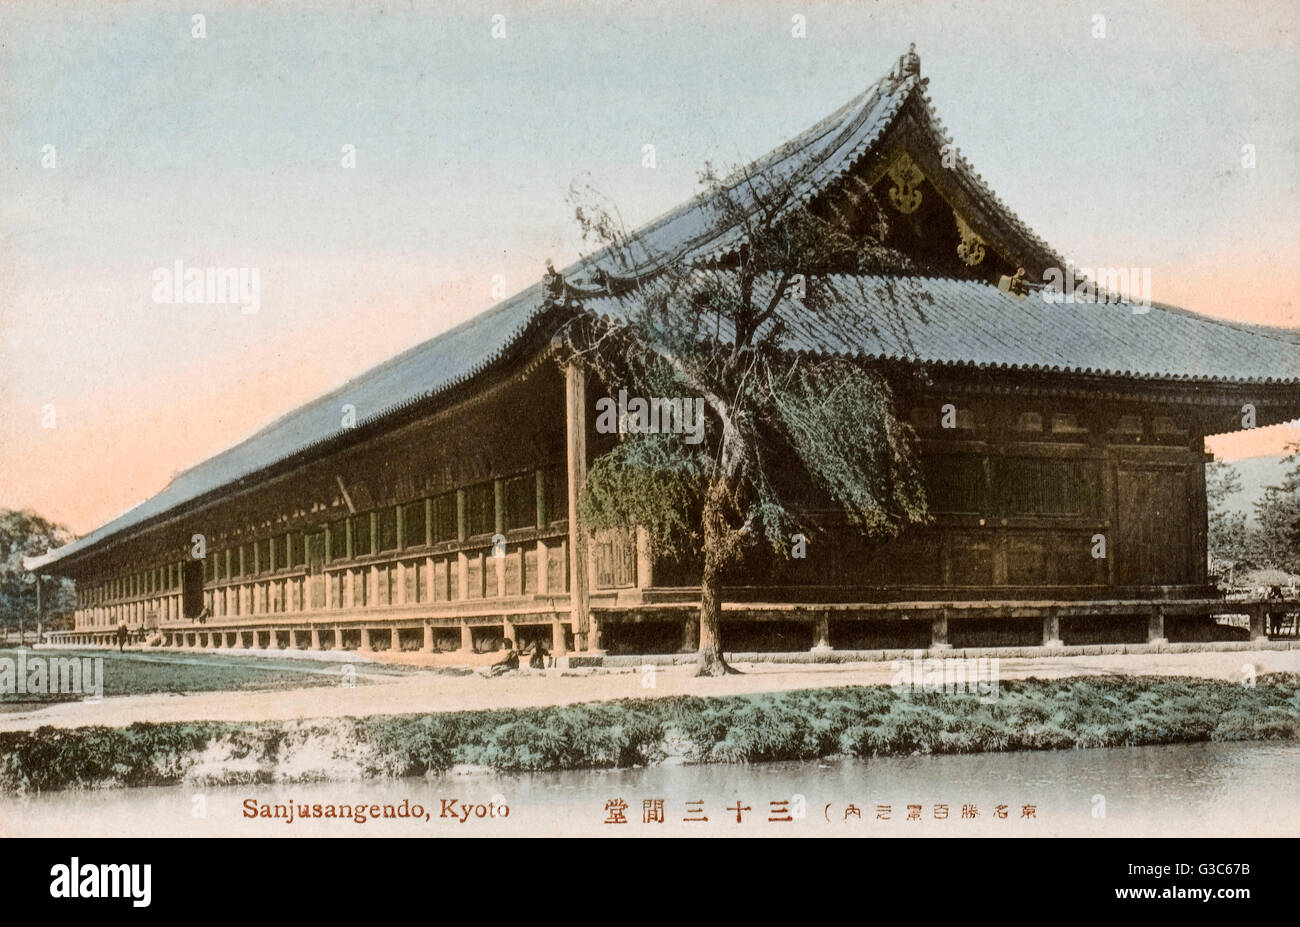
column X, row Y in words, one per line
column 1225, row 789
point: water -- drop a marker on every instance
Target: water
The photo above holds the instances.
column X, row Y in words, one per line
column 1191, row 789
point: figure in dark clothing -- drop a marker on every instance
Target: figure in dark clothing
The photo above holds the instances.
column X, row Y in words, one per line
column 538, row 659
column 507, row 663
column 1275, row 619
column 121, row 637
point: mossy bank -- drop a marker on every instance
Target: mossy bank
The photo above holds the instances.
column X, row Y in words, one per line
column 1061, row 714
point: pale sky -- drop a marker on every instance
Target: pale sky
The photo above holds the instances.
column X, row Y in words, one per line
column 226, row 151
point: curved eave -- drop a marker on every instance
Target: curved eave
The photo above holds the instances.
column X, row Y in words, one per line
column 519, row 340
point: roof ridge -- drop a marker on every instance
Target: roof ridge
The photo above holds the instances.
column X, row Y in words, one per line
column 975, row 178
column 847, row 119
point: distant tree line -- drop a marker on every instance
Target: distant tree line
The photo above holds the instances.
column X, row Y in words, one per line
column 1273, row 540
column 25, row 534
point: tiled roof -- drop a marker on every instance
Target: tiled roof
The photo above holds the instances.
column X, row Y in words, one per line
column 969, row 323
column 950, row 322
column 425, row 370
column 813, row 159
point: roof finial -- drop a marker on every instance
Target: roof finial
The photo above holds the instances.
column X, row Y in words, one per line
column 911, row 62
column 552, row 282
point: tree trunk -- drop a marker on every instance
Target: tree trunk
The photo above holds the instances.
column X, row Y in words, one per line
column 710, row 653
column 714, row 530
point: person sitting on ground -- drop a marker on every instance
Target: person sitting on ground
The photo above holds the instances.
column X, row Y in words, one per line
column 509, row 662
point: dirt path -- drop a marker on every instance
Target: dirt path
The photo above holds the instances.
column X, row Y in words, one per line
column 434, row 692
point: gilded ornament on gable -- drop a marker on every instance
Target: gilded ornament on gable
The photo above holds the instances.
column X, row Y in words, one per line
column 971, row 247
column 906, row 177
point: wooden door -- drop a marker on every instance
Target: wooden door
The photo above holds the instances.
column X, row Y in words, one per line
column 1155, row 529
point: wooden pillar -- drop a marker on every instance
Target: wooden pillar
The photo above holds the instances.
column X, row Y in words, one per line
column 508, row 631
column 315, row 638
column 1257, row 630
column 1052, row 631
column 466, row 637
column 1110, row 492
column 462, row 561
column 575, row 431
column 395, row 641
column 558, row 646
column 821, row 632
column 428, row 637
column 939, row 632
column 1200, row 552
column 365, row 639
column 1156, row 626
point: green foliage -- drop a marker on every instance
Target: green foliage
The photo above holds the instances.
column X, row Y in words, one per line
column 26, row 534
column 1273, row 542
column 857, row 721
column 1276, row 543
column 838, row 419
column 649, row 480
column 787, row 434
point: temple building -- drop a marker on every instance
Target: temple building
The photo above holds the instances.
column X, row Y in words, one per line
column 431, row 504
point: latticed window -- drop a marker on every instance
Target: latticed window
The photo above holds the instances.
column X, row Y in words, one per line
column 413, row 524
column 360, row 535
column 1045, row 486
column 444, row 517
column 956, row 484
column 387, row 528
column 557, row 495
column 521, row 502
column 339, row 540
column 480, row 508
